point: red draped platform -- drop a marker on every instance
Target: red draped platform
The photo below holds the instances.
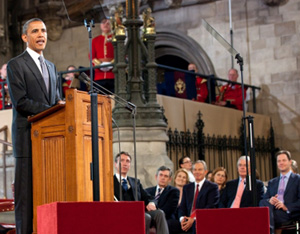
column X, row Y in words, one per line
column 254, row 220
column 91, row 218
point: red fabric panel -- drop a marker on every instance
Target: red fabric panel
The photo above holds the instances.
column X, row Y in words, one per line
column 233, row 220
column 91, row 218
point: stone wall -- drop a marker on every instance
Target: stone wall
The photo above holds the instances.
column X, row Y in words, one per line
column 266, row 37
column 268, row 40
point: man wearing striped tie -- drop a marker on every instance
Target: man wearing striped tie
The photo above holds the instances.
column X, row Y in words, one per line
column 283, row 194
column 165, row 196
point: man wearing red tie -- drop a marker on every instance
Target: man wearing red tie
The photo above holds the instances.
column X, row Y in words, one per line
column 202, row 194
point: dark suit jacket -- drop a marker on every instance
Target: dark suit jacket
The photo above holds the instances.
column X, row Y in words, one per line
column 29, row 97
column 141, row 193
column 168, row 200
column 291, row 193
column 229, row 193
column 208, row 197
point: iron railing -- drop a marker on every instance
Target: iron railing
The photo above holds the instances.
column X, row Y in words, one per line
column 220, row 150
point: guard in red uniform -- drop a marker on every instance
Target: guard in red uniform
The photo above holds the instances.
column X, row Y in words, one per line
column 201, row 85
column 103, row 53
column 231, row 94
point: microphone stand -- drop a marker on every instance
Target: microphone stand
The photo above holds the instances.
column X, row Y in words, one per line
column 120, row 178
column 127, row 105
column 233, row 52
column 94, row 115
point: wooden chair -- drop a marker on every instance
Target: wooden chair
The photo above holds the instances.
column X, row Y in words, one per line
column 292, row 226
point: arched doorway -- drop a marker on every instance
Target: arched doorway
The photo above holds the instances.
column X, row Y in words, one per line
column 173, row 48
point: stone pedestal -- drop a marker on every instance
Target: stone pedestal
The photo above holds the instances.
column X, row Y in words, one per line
column 150, row 151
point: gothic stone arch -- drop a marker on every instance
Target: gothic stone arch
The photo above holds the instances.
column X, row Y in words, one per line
column 172, row 42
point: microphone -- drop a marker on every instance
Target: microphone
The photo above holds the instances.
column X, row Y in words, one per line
column 128, row 105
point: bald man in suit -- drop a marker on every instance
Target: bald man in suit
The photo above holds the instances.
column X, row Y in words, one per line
column 33, row 88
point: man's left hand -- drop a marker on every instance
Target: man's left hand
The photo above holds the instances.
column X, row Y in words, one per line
column 187, row 223
column 151, row 206
column 279, row 205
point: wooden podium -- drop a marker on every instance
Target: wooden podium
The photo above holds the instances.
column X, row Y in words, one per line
column 62, row 152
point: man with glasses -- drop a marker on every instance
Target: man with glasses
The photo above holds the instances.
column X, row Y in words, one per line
column 186, row 163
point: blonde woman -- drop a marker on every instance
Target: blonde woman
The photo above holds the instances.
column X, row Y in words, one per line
column 219, row 176
column 181, row 178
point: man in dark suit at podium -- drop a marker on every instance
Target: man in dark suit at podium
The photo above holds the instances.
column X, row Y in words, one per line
column 283, row 194
column 235, row 195
column 153, row 216
column 32, row 83
column 165, row 196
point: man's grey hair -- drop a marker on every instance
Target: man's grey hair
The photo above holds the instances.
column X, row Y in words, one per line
column 25, row 26
column 203, row 163
column 243, row 158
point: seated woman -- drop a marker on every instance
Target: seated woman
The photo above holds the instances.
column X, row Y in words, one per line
column 181, row 178
column 219, row 176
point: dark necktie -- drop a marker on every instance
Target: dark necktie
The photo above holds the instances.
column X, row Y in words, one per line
column 124, row 185
column 45, row 73
column 158, row 194
column 195, row 198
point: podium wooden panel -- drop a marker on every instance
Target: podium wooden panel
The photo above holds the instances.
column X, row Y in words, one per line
column 62, row 152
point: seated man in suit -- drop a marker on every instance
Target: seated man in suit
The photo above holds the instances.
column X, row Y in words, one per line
column 202, row 194
column 165, row 196
column 153, row 216
column 283, row 194
column 235, row 195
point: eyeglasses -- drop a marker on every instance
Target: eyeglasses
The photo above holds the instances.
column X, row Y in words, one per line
column 187, row 162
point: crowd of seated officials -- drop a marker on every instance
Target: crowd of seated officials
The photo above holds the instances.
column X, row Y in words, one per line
column 216, row 192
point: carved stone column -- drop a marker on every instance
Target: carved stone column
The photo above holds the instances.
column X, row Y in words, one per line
column 150, row 132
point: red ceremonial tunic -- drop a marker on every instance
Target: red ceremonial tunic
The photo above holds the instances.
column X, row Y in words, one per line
column 233, row 94
column 201, row 87
column 102, row 48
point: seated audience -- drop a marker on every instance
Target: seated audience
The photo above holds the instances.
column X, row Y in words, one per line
column 219, row 176
column 164, row 196
column 283, row 193
column 3, row 77
column 153, row 216
column 208, row 175
column 231, row 94
column 186, row 163
column 201, row 84
column 202, row 194
column 235, row 195
column 181, row 178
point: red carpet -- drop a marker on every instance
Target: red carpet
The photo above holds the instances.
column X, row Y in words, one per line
column 233, row 221
column 91, row 218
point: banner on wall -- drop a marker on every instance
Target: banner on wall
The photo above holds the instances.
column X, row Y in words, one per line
column 178, row 84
